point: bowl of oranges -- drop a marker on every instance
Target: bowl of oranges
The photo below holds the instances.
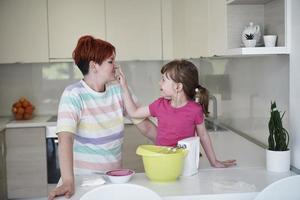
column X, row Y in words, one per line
column 22, row 109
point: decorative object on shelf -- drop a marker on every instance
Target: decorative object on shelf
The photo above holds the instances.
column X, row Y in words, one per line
column 250, row 41
column 270, row 40
column 278, row 153
column 253, row 30
column 22, row 109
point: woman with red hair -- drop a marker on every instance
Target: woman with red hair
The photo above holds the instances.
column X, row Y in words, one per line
column 90, row 116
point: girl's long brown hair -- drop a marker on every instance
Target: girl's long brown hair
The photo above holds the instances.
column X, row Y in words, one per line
column 186, row 73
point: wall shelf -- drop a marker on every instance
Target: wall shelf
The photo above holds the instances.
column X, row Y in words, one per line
column 273, row 18
column 256, row 51
column 248, row 2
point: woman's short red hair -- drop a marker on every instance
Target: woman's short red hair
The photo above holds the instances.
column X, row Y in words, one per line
column 91, row 49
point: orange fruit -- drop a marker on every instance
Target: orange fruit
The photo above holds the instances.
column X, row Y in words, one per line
column 27, row 115
column 14, row 109
column 19, row 116
column 25, row 103
column 20, row 110
column 22, row 99
column 18, row 105
column 29, row 109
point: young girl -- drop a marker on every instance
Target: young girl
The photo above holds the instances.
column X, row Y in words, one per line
column 178, row 115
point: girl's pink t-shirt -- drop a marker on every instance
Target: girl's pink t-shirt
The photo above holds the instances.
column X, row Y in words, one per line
column 175, row 124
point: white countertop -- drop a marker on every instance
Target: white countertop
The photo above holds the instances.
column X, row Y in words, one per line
column 243, row 181
column 230, row 183
column 3, row 122
column 229, row 145
column 37, row 121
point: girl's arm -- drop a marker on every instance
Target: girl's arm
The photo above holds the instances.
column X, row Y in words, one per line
column 208, row 148
column 65, row 151
column 148, row 129
column 131, row 108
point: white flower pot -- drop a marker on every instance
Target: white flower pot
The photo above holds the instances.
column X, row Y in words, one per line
column 278, row 161
column 249, row 43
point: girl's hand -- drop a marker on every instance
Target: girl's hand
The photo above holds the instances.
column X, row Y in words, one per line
column 121, row 77
column 224, row 164
column 66, row 190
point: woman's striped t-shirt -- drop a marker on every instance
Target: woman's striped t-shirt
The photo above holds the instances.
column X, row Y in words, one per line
column 96, row 120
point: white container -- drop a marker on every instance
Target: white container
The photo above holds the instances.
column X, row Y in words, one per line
column 249, row 43
column 120, row 175
column 278, row 161
column 191, row 162
column 270, row 40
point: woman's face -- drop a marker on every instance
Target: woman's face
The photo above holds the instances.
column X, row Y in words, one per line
column 167, row 86
column 107, row 69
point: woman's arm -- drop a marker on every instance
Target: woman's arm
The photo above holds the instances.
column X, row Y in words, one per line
column 208, row 148
column 131, row 108
column 65, row 151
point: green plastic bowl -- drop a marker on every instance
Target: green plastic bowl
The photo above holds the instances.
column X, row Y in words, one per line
column 160, row 163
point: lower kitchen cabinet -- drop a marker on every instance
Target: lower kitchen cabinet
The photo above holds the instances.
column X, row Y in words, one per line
column 2, row 167
column 132, row 139
column 26, row 162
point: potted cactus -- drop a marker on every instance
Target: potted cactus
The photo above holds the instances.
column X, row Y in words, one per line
column 249, row 40
column 278, row 153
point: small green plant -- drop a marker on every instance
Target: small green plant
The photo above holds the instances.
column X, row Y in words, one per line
column 249, row 36
column 279, row 137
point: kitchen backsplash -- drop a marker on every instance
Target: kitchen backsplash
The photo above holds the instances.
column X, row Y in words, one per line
column 247, row 86
column 244, row 87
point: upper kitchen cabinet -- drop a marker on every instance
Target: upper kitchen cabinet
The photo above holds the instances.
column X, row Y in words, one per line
column 134, row 28
column 217, row 27
column 273, row 17
column 71, row 19
column 185, row 28
column 23, row 31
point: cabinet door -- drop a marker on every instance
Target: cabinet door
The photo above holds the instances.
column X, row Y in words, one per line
column 217, row 27
column 134, row 28
column 26, row 162
column 23, row 31
column 71, row 19
column 2, row 167
column 132, row 139
column 186, row 22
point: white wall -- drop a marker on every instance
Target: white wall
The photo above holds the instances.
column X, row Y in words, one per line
column 44, row 83
column 295, row 84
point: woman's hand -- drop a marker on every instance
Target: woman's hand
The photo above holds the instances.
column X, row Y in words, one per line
column 224, row 164
column 66, row 189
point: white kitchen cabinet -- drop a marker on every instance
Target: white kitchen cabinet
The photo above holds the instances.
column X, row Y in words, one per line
column 71, row 19
column 2, row 166
column 23, row 31
column 26, row 162
column 273, row 17
column 217, row 36
column 185, row 28
column 134, row 28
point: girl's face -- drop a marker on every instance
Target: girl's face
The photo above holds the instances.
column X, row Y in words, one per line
column 167, row 86
column 107, row 70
